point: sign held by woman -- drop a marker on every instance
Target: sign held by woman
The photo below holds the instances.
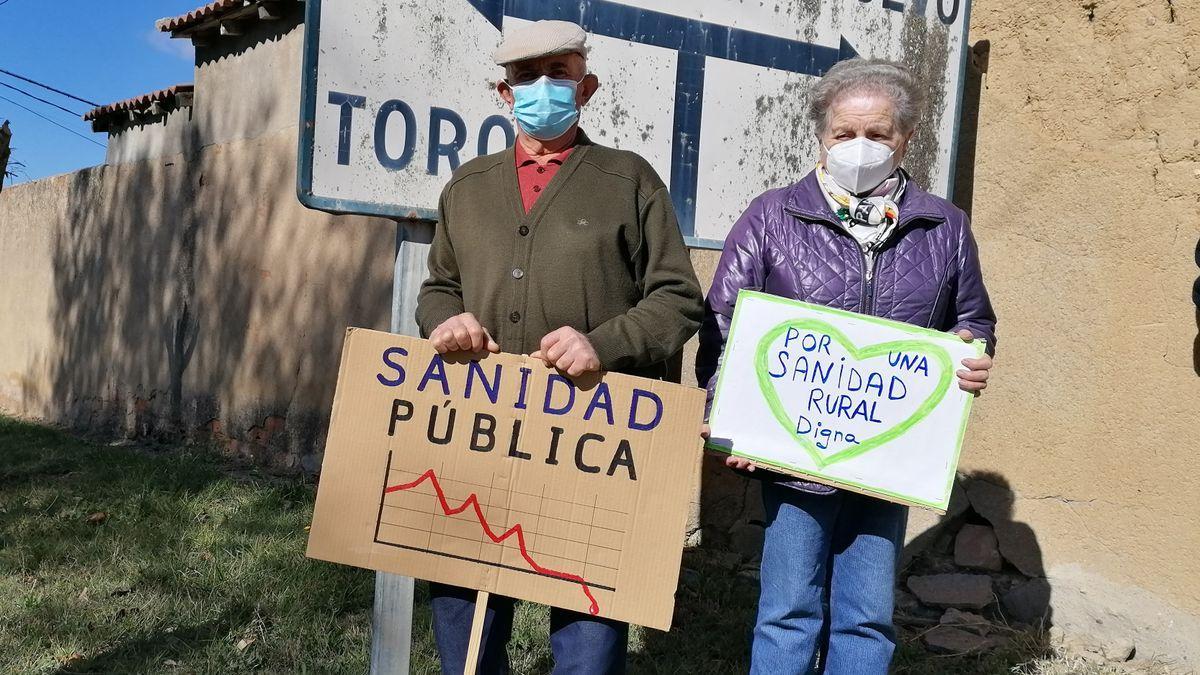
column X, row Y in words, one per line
column 858, row 402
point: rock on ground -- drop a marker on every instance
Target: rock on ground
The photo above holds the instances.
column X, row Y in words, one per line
column 1017, row 541
column 976, row 547
column 952, row 640
column 1028, row 602
column 961, row 591
column 968, row 621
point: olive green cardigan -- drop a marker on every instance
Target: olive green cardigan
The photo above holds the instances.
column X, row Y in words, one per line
column 600, row 252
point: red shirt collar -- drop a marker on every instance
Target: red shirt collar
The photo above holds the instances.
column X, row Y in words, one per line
column 525, row 159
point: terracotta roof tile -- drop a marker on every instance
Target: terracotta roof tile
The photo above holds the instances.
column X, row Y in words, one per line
column 212, row 11
column 139, row 102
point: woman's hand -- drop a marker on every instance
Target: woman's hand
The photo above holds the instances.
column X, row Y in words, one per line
column 739, row 463
column 730, row 461
column 975, row 377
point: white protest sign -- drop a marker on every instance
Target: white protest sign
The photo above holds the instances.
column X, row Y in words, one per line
column 854, row 401
column 713, row 93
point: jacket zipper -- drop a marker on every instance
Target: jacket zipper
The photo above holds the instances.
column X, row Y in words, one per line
column 869, row 257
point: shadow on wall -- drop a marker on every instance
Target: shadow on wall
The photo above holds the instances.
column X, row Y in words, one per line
column 194, row 297
column 125, row 315
column 1196, row 302
column 259, row 32
column 264, row 63
column 977, row 558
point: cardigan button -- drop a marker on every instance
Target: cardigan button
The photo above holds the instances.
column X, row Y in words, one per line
column 518, row 273
column 514, row 317
column 523, row 230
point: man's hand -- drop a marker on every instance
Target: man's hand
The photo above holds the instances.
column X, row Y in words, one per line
column 462, row 333
column 974, row 379
column 568, row 350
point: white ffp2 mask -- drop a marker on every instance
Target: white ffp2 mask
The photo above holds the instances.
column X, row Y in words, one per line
column 859, row 165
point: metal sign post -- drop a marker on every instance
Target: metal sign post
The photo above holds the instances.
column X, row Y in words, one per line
column 391, row 620
column 713, row 93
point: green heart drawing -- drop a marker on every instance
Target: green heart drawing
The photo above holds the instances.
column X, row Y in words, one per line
column 935, row 353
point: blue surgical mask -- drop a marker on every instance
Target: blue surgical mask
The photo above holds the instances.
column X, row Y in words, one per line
column 545, row 108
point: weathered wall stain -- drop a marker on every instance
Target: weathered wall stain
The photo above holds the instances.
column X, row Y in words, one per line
column 618, row 123
column 927, row 52
column 782, row 115
column 380, row 35
column 803, row 14
column 925, row 46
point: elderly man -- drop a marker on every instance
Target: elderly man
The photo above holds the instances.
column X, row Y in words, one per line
column 565, row 250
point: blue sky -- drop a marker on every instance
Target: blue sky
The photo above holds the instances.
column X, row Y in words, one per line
column 103, row 51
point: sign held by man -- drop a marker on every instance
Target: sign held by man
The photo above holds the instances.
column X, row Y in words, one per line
column 503, row 475
column 570, row 252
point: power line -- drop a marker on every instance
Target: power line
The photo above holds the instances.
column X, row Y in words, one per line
column 39, row 98
column 46, row 86
column 29, row 110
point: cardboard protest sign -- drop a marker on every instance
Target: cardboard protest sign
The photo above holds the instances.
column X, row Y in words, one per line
column 855, row 401
column 503, row 475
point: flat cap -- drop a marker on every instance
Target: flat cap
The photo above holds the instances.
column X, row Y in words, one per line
column 541, row 38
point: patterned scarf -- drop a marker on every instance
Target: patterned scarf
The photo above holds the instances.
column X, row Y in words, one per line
column 869, row 219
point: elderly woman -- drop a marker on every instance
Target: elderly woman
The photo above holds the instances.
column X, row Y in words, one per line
column 858, row 234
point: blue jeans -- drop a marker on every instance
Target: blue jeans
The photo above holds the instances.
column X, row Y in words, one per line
column 841, row 549
column 582, row 645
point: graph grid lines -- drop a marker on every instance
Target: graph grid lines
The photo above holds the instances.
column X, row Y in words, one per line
column 573, row 541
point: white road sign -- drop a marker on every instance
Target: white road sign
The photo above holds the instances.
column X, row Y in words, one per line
column 712, row 92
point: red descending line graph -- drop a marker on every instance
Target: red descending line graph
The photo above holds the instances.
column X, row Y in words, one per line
column 472, row 502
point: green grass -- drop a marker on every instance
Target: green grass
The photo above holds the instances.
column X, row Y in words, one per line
column 197, row 566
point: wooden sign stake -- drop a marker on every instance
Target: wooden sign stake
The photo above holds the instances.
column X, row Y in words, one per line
column 481, row 603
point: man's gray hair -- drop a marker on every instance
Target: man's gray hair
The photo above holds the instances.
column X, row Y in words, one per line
column 869, row 76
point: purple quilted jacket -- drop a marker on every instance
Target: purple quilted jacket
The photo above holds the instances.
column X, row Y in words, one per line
column 789, row 243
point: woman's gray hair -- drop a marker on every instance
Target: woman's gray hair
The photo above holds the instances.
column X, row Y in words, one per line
column 869, row 76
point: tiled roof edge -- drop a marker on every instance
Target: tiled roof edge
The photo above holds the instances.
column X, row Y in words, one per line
column 220, row 9
column 179, row 95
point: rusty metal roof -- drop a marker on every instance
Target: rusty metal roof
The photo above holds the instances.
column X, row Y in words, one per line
column 179, row 96
column 210, row 15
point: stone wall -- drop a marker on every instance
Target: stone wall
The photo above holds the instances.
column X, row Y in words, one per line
column 165, row 134
column 250, row 86
column 181, row 290
column 173, row 297
column 245, row 87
